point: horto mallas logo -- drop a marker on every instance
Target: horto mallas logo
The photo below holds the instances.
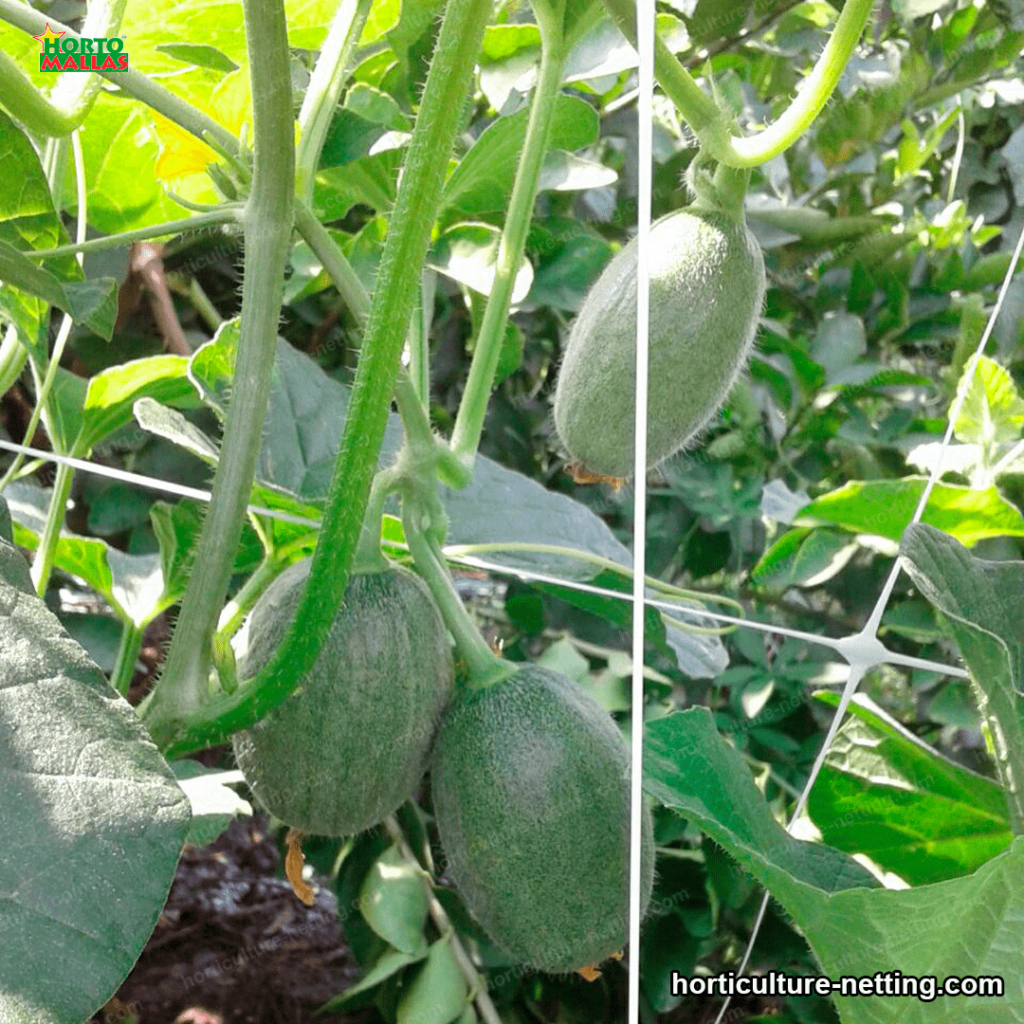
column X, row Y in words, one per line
column 81, row 54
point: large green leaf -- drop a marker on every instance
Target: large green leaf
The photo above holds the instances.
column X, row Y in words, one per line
column 885, row 508
column 968, row 926
column 27, row 221
column 93, row 303
column 982, row 601
column 884, row 793
column 93, row 818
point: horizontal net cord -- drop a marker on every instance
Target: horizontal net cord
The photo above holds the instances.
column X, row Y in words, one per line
column 470, row 561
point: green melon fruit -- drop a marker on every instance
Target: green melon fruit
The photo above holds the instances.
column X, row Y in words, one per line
column 351, row 743
column 707, row 287
column 531, row 790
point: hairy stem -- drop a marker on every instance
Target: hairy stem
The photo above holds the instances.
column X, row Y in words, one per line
column 267, row 222
column 226, row 215
column 483, row 665
column 42, row 562
column 324, row 89
column 405, row 249
column 316, row 236
column 473, row 408
column 711, row 126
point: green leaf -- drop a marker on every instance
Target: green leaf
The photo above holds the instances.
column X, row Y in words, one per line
column 483, row 180
column 438, row 993
column 394, row 902
column 93, row 303
column 965, row 926
column 468, row 253
column 200, row 54
column 885, row 508
column 982, row 603
column 689, row 767
column 214, row 804
column 112, row 393
column 992, row 410
column 94, row 821
column 885, row 793
column 803, row 558
column 391, row 962
column 120, row 148
column 840, row 342
column 133, row 585
column 28, row 221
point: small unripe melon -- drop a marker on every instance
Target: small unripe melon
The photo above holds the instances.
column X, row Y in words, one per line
column 707, row 287
column 351, row 743
column 530, row 780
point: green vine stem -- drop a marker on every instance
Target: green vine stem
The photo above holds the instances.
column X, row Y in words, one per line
column 42, row 562
column 473, row 408
column 267, row 220
column 73, row 95
column 477, row 985
column 452, row 472
column 228, row 214
column 324, row 90
column 405, row 249
column 483, row 665
column 333, row 260
column 419, row 338
column 235, row 611
column 135, row 84
column 710, row 125
column 127, row 657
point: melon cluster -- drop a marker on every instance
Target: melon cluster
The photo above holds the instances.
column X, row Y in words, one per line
column 352, row 741
column 707, row 287
column 530, row 780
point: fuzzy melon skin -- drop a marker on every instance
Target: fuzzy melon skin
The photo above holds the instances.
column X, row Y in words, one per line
column 707, row 288
column 530, row 780
column 351, row 743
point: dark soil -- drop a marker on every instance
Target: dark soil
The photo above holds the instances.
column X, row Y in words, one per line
column 234, row 945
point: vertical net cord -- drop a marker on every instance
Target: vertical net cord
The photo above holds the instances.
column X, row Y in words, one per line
column 645, row 47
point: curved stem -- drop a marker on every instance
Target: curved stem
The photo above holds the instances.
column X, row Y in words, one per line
column 473, row 408
column 324, row 89
column 405, row 249
column 709, row 125
column 12, row 359
column 184, row 683
column 235, row 611
column 484, row 666
column 334, row 261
